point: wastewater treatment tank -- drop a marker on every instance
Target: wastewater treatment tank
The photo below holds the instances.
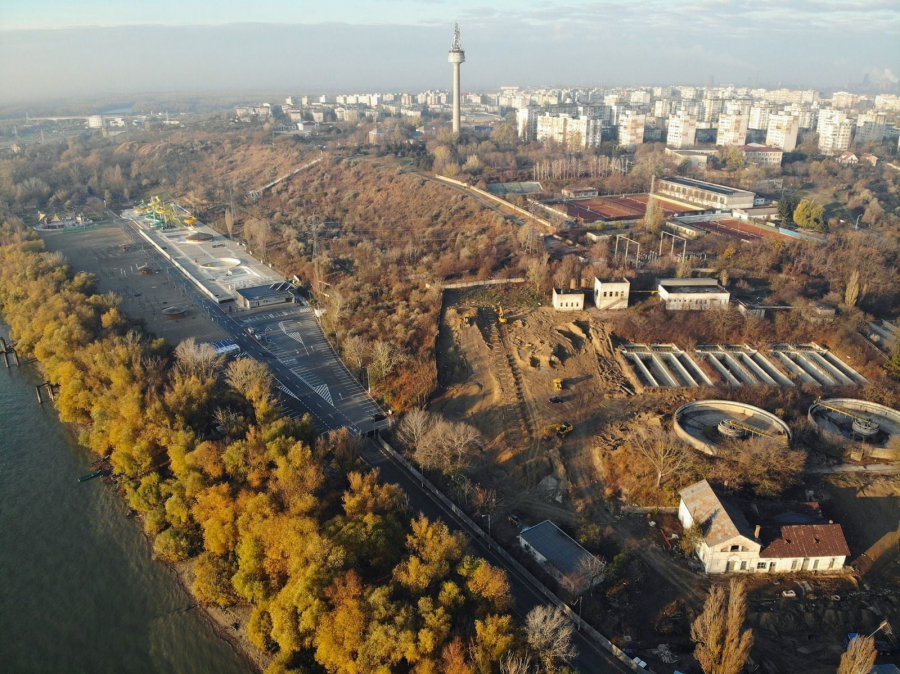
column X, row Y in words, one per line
column 706, row 424
column 853, row 420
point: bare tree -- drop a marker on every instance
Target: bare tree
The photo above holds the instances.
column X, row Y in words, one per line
column 356, row 350
column 722, row 648
column 851, row 294
column 458, row 441
column 765, row 465
column 259, row 232
column 229, row 223
column 200, row 360
column 859, row 658
column 516, row 664
column 385, row 357
column 591, row 568
column 415, row 427
column 549, row 634
column 665, row 454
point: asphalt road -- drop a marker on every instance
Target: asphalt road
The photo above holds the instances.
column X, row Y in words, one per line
column 310, row 376
column 315, row 381
column 591, row 658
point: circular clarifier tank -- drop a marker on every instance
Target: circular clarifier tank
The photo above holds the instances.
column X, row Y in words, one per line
column 859, row 421
column 705, row 424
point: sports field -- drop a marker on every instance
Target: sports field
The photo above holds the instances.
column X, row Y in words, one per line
column 608, row 209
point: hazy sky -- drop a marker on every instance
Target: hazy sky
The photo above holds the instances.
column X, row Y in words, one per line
column 53, row 48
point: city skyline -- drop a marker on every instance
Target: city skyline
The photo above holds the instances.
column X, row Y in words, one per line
column 403, row 46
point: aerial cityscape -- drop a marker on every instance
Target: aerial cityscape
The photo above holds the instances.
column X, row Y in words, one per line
column 345, row 342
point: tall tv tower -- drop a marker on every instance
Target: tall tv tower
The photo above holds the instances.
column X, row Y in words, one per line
column 457, row 56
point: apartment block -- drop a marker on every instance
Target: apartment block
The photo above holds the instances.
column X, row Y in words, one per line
column 782, row 131
column 732, row 129
column 682, row 131
column 631, row 128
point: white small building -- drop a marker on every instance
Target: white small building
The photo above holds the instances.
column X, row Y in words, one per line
column 568, row 300
column 697, row 294
column 611, row 293
column 729, row 544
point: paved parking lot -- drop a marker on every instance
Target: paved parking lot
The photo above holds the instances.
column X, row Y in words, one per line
column 299, row 353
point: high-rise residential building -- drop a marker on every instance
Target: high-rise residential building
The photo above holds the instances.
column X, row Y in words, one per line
column 639, row 97
column 842, row 99
column 527, row 118
column 732, row 129
column 569, row 131
column 835, row 131
column 782, row 131
column 631, row 128
column 759, row 116
column 682, row 130
column 871, row 127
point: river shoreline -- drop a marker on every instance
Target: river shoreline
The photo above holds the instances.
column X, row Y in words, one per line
column 222, row 621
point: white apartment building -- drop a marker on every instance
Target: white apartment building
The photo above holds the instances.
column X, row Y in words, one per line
column 569, row 131
column 808, row 115
column 782, row 131
column 640, row 98
column 631, row 128
column 871, row 127
column 732, row 129
column 759, row 116
column 682, row 131
column 835, row 131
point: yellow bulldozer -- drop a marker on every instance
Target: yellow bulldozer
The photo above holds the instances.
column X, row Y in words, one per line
column 561, row 429
column 557, row 384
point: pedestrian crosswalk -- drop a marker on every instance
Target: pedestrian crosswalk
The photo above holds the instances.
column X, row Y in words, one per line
column 314, row 383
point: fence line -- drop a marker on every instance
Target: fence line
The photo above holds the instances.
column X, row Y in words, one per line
column 502, row 202
column 521, row 570
column 472, row 284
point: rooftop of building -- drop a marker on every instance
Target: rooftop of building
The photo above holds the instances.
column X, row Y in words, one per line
column 556, row 546
column 257, row 292
column 804, row 540
column 691, row 285
column 703, row 185
column 720, row 521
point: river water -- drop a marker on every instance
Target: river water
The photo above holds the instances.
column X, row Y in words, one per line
column 79, row 590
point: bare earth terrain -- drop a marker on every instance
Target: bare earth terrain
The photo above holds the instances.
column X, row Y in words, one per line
column 499, row 378
column 114, row 258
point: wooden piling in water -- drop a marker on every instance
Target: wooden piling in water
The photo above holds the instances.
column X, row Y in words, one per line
column 6, row 359
column 38, row 389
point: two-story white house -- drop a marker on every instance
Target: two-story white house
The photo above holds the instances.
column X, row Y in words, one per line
column 730, row 544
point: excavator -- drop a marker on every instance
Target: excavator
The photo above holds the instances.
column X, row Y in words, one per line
column 557, row 384
column 500, row 316
column 561, row 429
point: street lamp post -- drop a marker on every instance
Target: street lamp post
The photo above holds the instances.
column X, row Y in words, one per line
column 489, row 528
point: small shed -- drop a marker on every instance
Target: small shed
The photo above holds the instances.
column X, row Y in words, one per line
column 568, row 300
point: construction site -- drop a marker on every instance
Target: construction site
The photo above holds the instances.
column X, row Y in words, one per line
column 538, row 386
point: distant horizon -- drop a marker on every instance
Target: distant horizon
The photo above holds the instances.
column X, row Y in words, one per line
column 402, row 46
